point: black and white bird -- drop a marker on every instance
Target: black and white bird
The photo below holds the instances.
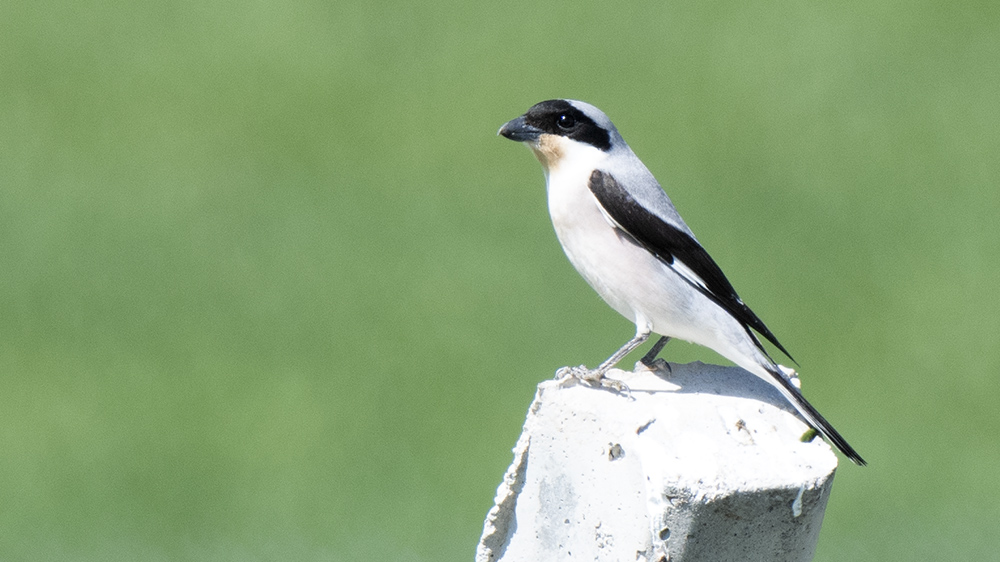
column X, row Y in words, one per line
column 622, row 233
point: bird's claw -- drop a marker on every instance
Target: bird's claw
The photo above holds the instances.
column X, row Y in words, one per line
column 658, row 364
column 581, row 373
column 592, row 378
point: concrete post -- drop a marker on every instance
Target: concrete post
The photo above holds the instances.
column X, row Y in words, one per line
column 699, row 463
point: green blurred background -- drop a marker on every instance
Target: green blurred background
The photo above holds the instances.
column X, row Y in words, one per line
column 272, row 289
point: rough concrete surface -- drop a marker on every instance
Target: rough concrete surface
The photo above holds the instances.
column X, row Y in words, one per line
column 698, row 462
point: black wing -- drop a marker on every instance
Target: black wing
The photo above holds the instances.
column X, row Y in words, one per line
column 669, row 243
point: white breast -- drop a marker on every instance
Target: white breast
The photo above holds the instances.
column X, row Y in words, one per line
column 609, row 261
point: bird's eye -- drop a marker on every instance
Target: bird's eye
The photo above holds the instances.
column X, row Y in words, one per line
column 565, row 121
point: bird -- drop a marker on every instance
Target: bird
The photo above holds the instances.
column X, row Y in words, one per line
column 622, row 233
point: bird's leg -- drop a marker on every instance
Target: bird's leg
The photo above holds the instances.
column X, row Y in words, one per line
column 650, row 356
column 597, row 374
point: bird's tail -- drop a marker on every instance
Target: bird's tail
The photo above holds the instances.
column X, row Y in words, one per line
column 812, row 416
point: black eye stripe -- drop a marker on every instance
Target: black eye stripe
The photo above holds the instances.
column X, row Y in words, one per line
column 559, row 117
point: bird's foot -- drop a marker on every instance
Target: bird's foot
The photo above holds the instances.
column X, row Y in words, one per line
column 654, row 365
column 614, row 385
column 591, row 377
column 573, row 373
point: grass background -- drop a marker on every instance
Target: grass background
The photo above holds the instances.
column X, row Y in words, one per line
column 272, row 289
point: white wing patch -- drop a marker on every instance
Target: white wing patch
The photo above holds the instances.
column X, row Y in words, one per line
column 686, row 272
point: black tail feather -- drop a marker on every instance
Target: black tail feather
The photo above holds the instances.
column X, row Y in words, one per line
column 816, row 420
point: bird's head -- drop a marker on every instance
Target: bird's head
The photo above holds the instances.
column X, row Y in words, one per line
column 561, row 130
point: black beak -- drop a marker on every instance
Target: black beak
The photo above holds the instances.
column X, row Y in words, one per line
column 520, row 131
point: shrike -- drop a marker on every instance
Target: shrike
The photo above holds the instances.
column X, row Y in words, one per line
column 622, row 233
